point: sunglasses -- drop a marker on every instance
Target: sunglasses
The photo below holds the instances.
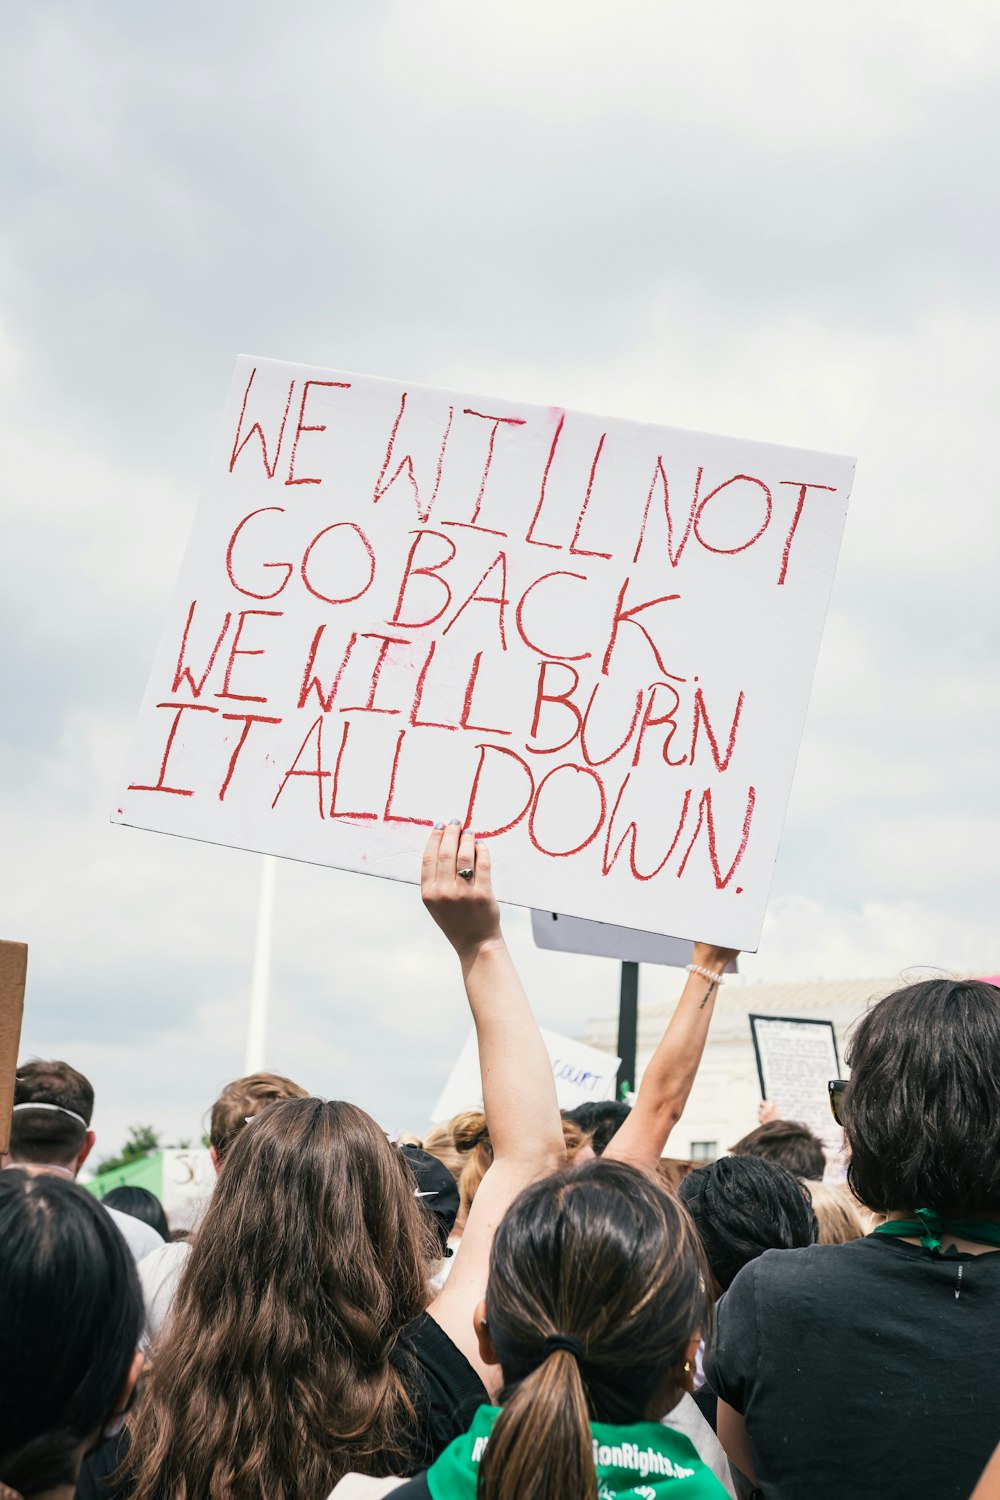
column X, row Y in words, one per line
column 835, row 1088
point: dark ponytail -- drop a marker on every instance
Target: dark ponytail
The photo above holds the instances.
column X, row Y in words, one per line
column 597, row 1285
column 70, row 1318
column 541, row 1444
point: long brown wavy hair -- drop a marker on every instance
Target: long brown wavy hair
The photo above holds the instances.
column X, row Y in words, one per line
column 275, row 1374
column 605, row 1256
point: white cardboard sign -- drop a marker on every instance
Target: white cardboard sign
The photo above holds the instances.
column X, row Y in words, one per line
column 590, row 640
column 582, row 1074
column 795, row 1061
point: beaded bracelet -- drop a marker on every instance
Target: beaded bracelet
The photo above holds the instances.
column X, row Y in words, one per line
column 706, row 973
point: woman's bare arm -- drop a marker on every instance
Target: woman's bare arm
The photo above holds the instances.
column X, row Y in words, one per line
column 735, row 1439
column 669, row 1077
column 519, row 1095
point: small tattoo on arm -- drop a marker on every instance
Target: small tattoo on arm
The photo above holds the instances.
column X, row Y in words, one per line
column 708, row 995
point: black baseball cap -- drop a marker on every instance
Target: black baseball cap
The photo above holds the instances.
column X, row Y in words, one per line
column 436, row 1189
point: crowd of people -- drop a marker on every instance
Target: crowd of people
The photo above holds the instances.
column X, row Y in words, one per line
column 521, row 1304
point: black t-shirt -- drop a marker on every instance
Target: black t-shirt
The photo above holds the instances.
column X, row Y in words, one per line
column 96, row 1481
column 867, row 1369
column 445, row 1388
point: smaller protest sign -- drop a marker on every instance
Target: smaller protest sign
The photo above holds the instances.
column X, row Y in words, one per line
column 795, row 1061
column 582, row 1074
column 13, row 972
column 564, row 934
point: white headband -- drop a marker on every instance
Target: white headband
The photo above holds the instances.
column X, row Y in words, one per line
column 57, row 1107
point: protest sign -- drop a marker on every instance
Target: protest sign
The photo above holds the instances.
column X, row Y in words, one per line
column 13, row 973
column 591, row 641
column 562, row 934
column 582, row 1074
column 795, row 1061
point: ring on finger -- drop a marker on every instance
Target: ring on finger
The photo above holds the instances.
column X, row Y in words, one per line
column 465, row 874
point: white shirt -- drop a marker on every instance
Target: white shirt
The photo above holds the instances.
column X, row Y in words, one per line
column 687, row 1419
column 141, row 1238
column 160, row 1274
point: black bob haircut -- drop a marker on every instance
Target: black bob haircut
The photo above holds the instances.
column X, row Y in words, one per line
column 744, row 1205
column 922, row 1108
column 70, row 1319
column 601, row 1119
column 139, row 1203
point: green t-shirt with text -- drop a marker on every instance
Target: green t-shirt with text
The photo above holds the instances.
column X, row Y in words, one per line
column 643, row 1461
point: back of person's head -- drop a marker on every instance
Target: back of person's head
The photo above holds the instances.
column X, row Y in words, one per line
column 243, row 1100
column 836, row 1213
column 604, row 1259
column 788, row 1142
column 744, row 1205
column 920, row 1110
column 53, row 1106
column 600, row 1119
column 139, row 1203
column 472, row 1141
column 274, row 1375
column 70, row 1319
column 440, row 1142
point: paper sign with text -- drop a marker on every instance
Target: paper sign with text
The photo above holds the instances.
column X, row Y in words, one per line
column 582, row 1074
column 591, row 640
column 795, row 1061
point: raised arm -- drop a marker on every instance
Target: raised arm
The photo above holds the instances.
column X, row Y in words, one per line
column 669, row 1077
column 519, row 1094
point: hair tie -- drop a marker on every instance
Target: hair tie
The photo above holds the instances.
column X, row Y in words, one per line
column 563, row 1341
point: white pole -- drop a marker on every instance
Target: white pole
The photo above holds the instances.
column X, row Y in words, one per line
column 260, row 982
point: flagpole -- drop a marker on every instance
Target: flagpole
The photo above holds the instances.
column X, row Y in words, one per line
column 261, row 978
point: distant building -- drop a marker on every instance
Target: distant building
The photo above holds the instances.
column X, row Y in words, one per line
column 724, row 1101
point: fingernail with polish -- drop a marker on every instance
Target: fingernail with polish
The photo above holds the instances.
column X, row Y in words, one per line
column 456, row 822
column 438, row 827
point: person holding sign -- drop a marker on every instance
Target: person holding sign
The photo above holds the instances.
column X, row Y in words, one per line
column 300, row 1345
column 596, row 1301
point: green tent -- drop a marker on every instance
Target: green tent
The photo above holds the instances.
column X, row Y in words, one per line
column 145, row 1172
column 182, row 1177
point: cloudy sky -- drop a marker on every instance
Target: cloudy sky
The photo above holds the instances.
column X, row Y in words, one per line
column 774, row 220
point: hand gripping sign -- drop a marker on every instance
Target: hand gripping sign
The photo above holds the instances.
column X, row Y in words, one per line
column 591, row 640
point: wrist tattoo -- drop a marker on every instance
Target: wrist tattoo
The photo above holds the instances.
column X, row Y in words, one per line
column 708, row 995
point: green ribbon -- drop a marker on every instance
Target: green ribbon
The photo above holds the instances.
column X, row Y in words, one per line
column 929, row 1228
